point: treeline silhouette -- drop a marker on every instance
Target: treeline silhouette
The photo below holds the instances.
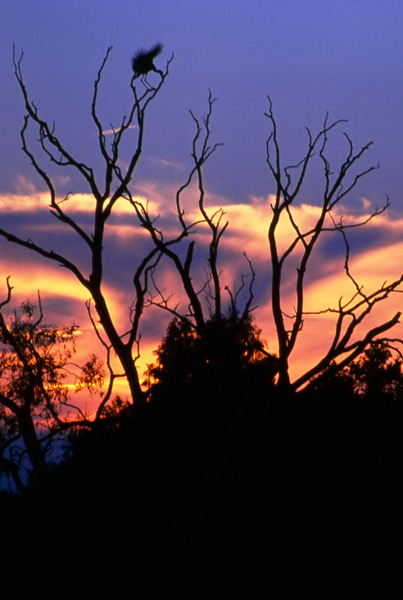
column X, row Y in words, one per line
column 225, row 482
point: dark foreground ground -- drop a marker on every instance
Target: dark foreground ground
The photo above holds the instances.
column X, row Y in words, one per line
column 268, row 500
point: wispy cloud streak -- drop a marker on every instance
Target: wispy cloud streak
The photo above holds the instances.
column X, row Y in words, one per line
column 376, row 252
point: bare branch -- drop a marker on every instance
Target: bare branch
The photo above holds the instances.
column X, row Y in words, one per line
column 289, row 183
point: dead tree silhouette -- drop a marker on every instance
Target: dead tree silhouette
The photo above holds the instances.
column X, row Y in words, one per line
column 142, row 62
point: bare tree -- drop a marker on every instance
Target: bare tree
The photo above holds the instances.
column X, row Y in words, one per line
column 166, row 246
column 107, row 191
column 203, row 297
column 112, row 188
column 349, row 312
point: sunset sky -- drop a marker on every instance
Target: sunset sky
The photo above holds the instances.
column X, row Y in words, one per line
column 311, row 57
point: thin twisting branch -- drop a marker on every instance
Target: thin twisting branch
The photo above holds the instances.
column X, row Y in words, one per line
column 200, row 153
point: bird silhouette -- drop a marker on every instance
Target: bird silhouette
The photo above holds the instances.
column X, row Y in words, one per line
column 142, row 62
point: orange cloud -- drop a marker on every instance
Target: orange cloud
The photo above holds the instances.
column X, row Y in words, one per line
column 247, row 231
column 327, row 281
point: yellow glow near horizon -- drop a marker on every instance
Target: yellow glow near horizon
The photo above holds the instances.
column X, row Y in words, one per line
column 247, row 231
column 34, row 201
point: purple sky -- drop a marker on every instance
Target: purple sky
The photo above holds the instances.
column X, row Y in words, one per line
column 310, row 56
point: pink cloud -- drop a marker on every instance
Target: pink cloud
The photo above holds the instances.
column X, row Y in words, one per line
column 247, row 232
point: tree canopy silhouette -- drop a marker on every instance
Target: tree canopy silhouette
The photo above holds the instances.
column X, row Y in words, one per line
column 36, row 408
column 228, row 360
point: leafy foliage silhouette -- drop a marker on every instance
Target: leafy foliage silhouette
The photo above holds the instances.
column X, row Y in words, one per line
column 228, row 359
column 36, row 369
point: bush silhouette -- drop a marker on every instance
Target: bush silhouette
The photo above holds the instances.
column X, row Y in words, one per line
column 224, row 362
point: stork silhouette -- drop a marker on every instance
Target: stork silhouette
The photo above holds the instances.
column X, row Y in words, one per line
column 142, row 62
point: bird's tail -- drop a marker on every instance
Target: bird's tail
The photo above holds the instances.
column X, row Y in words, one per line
column 155, row 50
